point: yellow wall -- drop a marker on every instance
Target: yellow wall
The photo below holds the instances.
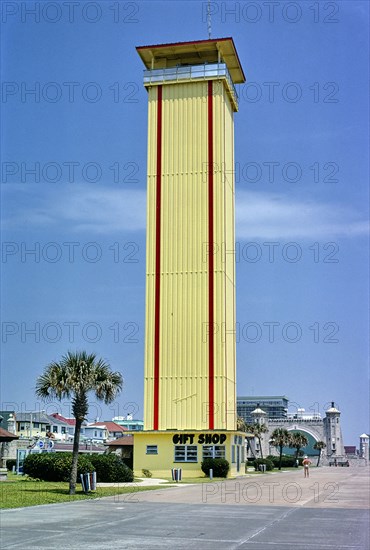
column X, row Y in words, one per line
column 160, row 465
column 183, row 390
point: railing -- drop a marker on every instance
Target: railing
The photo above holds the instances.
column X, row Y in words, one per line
column 294, row 420
column 191, row 72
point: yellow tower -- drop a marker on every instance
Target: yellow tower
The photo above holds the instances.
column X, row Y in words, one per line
column 190, row 287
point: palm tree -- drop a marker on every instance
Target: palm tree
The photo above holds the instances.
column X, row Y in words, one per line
column 242, row 426
column 257, row 430
column 319, row 445
column 280, row 438
column 298, row 441
column 74, row 377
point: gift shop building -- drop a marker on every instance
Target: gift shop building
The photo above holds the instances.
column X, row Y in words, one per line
column 190, row 364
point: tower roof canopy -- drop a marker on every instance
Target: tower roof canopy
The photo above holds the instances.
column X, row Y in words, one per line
column 332, row 409
column 197, row 52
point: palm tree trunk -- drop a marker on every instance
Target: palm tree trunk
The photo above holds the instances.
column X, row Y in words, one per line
column 318, row 459
column 280, row 456
column 250, row 447
column 76, row 443
column 259, row 441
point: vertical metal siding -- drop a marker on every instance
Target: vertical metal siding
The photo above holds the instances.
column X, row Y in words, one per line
column 184, row 359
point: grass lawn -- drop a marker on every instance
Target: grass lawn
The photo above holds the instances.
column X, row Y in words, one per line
column 19, row 492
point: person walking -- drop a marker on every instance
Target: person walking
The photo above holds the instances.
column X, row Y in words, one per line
column 306, row 466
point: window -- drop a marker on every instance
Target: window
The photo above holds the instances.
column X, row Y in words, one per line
column 214, row 451
column 233, row 453
column 186, row 453
column 36, row 424
column 63, row 429
column 22, row 427
column 152, row 449
column 55, row 429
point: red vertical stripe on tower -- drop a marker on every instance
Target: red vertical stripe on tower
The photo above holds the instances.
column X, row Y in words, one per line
column 211, row 367
column 157, row 260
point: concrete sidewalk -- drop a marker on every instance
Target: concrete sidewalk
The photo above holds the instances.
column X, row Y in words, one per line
column 325, row 488
column 329, row 511
column 144, row 482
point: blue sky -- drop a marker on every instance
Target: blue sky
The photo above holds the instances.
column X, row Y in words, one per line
column 301, row 145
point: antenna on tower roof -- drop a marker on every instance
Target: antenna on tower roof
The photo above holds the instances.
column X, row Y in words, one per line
column 209, row 19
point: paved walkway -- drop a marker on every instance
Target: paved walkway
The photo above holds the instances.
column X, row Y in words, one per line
column 281, row 511
column 325, row 488
column 144, row 481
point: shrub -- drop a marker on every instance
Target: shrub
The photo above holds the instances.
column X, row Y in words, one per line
column 220, row 467
column 259, row 461
column 55, row 466
column 111, row 468
column 128, row 460
column 10, row 463
column 287, row 461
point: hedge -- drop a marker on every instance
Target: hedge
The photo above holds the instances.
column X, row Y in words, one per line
column 111, row 468
column 10, row 463
column 55, row 466
column 286, row 461
column 220, row 467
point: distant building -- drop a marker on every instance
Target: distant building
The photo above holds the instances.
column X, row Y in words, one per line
column 364, row 446
column 311, row 425
column 103, row 431
column 68, row 423
column 123, row 447
column 38, row 424
column 276, row 406
column 4, row 419
column 129, row 423
column 350, row 450
column 301, row 414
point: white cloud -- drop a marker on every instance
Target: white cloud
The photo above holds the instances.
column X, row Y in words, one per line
column 270, row 216
column 107, row 210
column 81, row 208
